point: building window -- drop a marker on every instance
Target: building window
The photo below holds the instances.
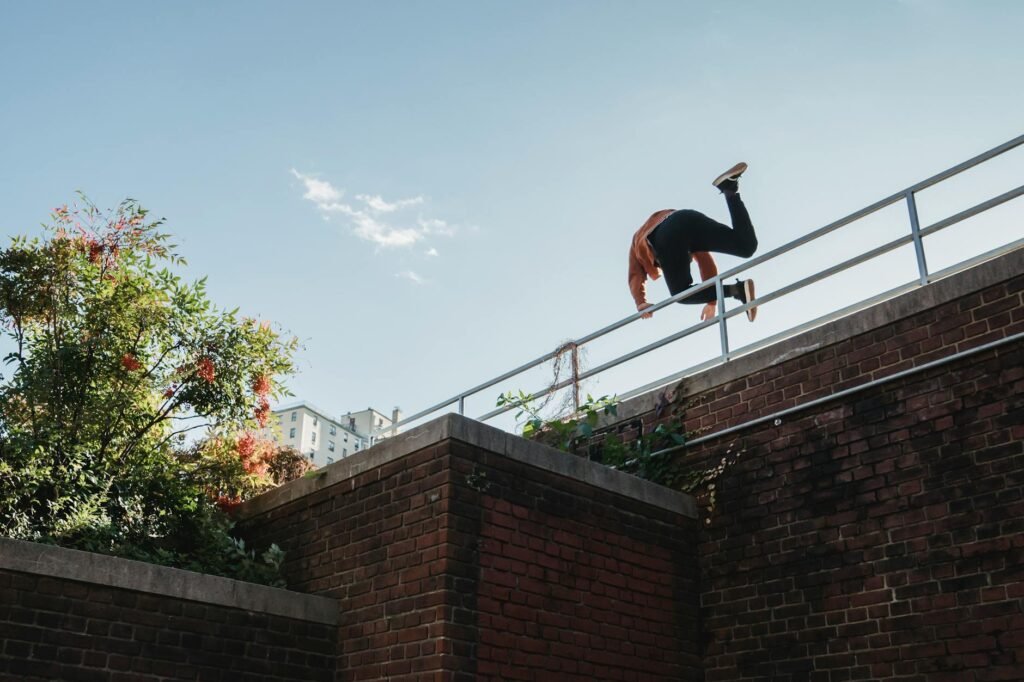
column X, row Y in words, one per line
column 357, row 446
column 312, row 455
column 330, row 445
column 293, row 415
column 333, row 430
column 314, row 436
column 346, row 437
column 380, row 421
column 344, row 452
column 330, row 460
column 291, row 432
column 315, row 421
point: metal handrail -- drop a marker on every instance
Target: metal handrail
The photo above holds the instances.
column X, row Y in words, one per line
column 916, row 235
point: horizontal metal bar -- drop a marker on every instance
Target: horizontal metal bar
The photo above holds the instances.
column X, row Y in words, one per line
column 880, row 250
column 418, row 415
column 966, row 165
column 686, row 293
column 565, row 383
column 823, row 274
column 877, row 206
column 785, row 334
column 973, row 211
column 825, row 319
column 476, row 389
column 980, row 258
column 647, row 349
column 844, row 393
column 676, row 376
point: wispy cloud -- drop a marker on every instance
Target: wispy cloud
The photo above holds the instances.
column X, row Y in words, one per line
column 378, row 204
column 431, row 251
column 372, row 217
column 435, row 226
column 317, row 191
column 412, row 277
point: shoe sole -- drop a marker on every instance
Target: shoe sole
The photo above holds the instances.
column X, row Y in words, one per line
column 733, row 172
column 748, row 291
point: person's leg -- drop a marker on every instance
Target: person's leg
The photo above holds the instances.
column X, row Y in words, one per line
column 674, row 241
column 710, row 235
column 671, row 244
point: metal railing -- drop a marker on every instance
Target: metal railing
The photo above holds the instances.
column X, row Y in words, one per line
column 915, row 236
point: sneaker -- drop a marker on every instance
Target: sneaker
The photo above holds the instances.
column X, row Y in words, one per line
column 727, row 182
column 746, row 293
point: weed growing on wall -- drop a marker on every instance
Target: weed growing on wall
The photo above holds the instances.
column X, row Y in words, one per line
column 655, row 454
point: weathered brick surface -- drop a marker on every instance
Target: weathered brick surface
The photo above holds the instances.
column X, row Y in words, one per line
column 56, row 629
column 574, row 582
column 378, row 543
column 876, row 539
column 961, row 324
column 456, row 563
column 880, row 536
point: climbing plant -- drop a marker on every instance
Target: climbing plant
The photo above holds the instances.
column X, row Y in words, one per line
column 655, row 454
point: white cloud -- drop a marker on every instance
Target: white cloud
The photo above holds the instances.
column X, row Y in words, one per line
column 372, row 217
column 412, row 277
column 435, row 226
column 431, row 251
column 376, row 203
column 318, row 191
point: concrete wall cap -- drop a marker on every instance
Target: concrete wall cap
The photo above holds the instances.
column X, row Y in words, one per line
column 458, row 427
column 125, row 574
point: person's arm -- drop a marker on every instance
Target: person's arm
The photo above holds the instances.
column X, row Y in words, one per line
column 638, row 284
column 708, row 269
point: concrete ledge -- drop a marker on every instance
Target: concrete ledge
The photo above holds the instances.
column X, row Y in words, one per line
column 457, row 427
column 125, row 574
column 881, row 314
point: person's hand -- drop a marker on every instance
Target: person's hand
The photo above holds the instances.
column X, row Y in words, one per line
column 645, row 306
column 708, row 311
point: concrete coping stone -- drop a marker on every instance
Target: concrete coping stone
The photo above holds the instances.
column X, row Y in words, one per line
column 138, row 576
column 494, row 440
column 935, row 293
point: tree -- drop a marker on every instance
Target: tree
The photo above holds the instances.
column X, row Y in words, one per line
column 114, row 360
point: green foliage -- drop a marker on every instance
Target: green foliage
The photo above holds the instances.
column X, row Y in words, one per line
column 114, row 359
column 564, row 434
column 655, row 455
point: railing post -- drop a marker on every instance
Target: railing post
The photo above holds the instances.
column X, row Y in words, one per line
column 462, row 404
column 723, row 332
column 915, row 231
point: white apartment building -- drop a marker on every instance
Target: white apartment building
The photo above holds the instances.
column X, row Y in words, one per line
column 325, row 439
column 366, row 421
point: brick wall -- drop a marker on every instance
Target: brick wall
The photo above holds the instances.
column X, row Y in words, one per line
column 960, row 324
column 573, row 582
column 878, row 539
column 61, row 629
column 456, row 561
column 879, row 536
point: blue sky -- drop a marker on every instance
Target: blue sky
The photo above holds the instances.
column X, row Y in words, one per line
column 429, row 193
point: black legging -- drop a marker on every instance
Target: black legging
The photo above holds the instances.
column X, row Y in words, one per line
column 684, row 232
